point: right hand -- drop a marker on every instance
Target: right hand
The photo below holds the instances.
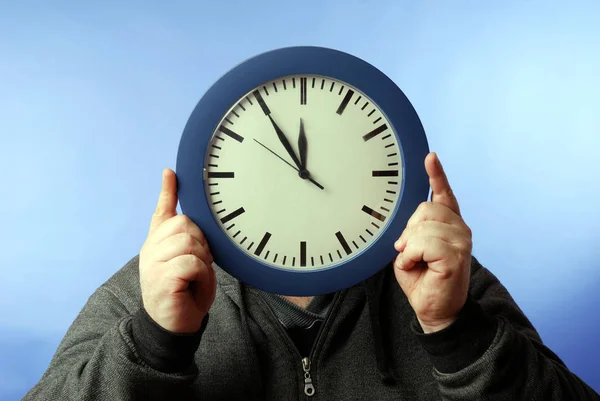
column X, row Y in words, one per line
column 177, row 279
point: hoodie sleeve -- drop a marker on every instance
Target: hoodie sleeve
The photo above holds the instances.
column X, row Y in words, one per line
column 101, row 358
column 492, row 352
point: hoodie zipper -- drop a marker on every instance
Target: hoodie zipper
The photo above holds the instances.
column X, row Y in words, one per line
column 309, row 389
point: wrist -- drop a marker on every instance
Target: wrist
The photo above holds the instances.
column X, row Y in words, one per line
column 161, row 349
column 433, row 327
column 462, row 342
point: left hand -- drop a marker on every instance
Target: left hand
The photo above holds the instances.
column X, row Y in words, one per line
column 433, row 265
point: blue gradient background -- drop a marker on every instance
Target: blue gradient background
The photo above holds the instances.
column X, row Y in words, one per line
column 93, row 99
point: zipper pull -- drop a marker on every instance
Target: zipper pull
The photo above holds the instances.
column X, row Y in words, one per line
column 309, row 389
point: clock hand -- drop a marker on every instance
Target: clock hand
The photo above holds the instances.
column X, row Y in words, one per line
column 286, row 144
column 289, row 164
column 302, row 146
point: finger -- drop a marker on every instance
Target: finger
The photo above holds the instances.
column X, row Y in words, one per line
column 175, row 225
column 429, row 211
column 441, row 192
column 427, row 249
column 455, row 235
column 167, row 200
column 186, row 268
column 181, row 244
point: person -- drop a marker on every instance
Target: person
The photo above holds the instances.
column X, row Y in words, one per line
column 433, row 324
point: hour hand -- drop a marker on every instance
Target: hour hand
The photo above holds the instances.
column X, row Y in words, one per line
column 286, row 143
column 302, row 146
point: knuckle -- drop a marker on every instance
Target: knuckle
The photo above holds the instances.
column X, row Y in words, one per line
column 195, row 262
column 188, row 241
column 424, row 206
column 468, row 231
column 181, row 220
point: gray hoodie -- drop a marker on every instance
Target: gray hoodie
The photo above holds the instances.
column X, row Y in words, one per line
column 369, row 347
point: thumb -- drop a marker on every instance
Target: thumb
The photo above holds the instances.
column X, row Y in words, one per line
column 441, row 192
column 167, row 200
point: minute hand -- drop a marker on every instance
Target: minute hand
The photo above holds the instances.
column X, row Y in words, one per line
column 285, row 143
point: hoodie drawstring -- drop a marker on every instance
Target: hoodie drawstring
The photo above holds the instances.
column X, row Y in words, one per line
column 380, row 330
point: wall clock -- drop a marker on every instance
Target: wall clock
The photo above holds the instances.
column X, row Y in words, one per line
column 302, row 166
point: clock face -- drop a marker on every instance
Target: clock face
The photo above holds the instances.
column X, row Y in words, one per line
column 303, row 210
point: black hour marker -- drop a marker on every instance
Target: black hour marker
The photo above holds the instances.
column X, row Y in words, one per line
column 321, row 257
column 294, row 85
column 312, row 260
column 221, row 174
column 375, row 132
column 357, row 100
column 231, row 134
column 341, row 90
column 303, row 90
column 249, row 101
column 275, row 86
column 229, row 121
column 284, row 259
column 261, row 102
column 376, row 121
column 217, row 202
column 262, row 244
column 266, row 91
column 385, row 173
column 330, row 257
column 345, row 101
column 366, row 104
column 370, row 233
column 393, row 164
column 343, row 242
column 371, row 113
column 322, row 84
column 242, row 106
column 236, row 234
column 330, row 89
column 236, row 114
column 303, row 253
column 373, row 213
column 232, row 215
column 284, row 88
column 339, row 253
column 386, row 137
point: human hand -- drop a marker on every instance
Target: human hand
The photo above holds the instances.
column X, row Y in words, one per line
column 177, row 279
column 433, row 264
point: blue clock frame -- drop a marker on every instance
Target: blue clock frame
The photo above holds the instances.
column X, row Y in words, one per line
column 238, row 82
